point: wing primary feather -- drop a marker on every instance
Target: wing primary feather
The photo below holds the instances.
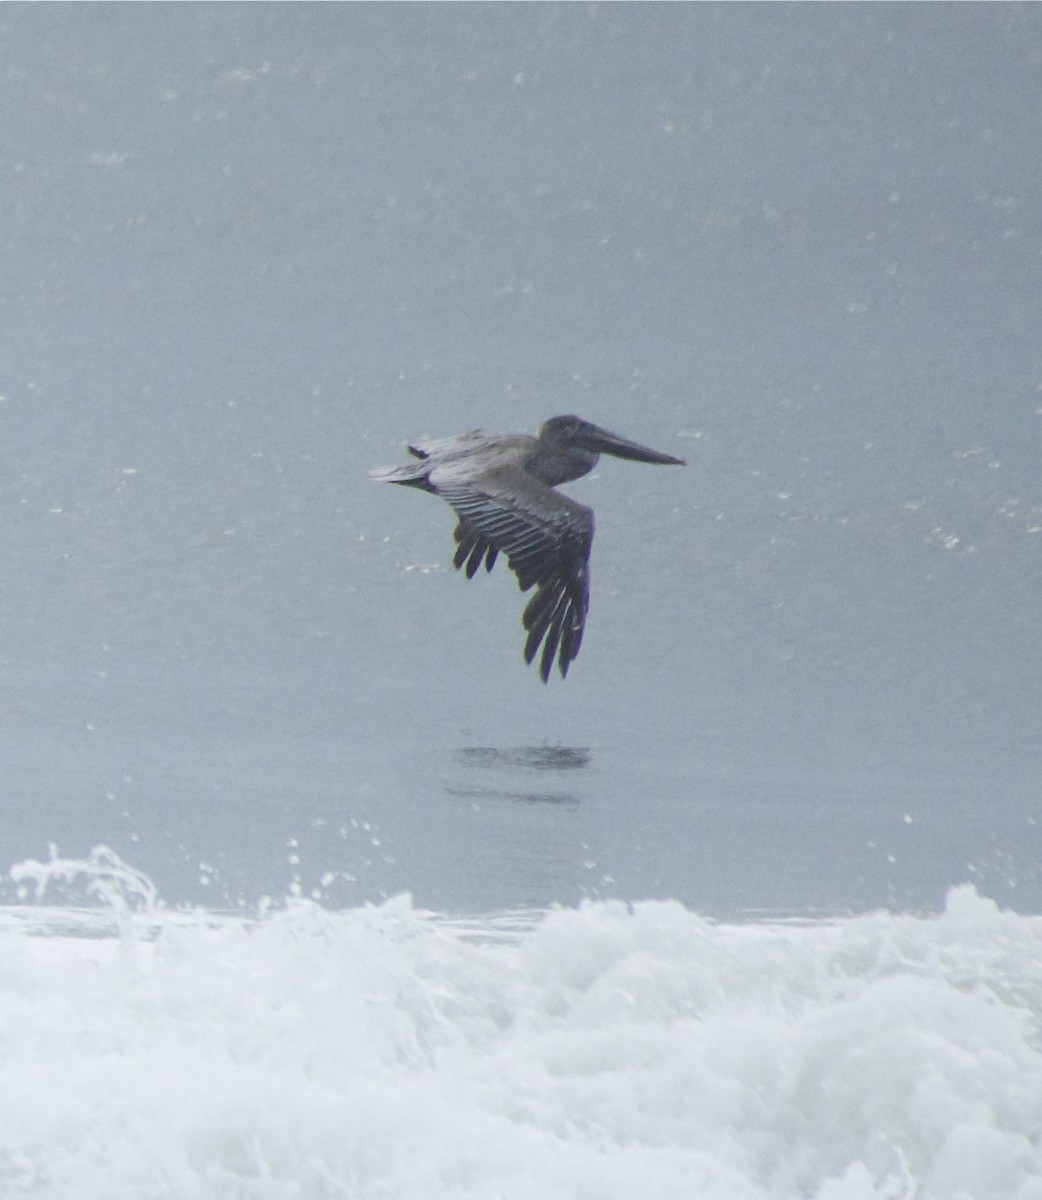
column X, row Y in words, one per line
column 532, row 644
column 537, row 606
column 472, row 547
column 466, row 539
column 536, row 635
column 553, row 636
column 476, row 555
column 549, row 626
column 570, row 643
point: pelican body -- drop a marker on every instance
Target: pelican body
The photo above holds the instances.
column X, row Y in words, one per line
column 501, row 487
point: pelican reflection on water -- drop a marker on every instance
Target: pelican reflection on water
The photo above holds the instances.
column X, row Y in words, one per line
column 501, row 487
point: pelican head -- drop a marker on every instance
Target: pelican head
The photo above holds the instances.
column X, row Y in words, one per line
column 573, row 433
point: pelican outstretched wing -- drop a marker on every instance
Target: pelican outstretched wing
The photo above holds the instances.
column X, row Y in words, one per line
column 546, row 538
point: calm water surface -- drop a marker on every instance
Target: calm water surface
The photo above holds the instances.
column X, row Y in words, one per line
column 249, row 252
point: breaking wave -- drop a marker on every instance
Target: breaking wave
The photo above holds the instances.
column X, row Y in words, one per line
column 606, row 1052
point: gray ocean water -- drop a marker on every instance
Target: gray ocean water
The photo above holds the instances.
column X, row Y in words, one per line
column 249, row 251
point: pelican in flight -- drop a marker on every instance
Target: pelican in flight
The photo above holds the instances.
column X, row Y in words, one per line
column 501, row 487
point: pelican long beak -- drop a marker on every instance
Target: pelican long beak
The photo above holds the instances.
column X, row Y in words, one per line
column 604, row 442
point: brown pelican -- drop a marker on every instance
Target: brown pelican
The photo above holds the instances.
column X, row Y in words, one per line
column 502, row 489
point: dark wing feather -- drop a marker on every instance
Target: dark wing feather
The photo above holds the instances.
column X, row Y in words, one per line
column 546, row 538
column 472, row 549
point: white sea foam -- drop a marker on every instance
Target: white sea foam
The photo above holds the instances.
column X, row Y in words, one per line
column 611, row 1051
